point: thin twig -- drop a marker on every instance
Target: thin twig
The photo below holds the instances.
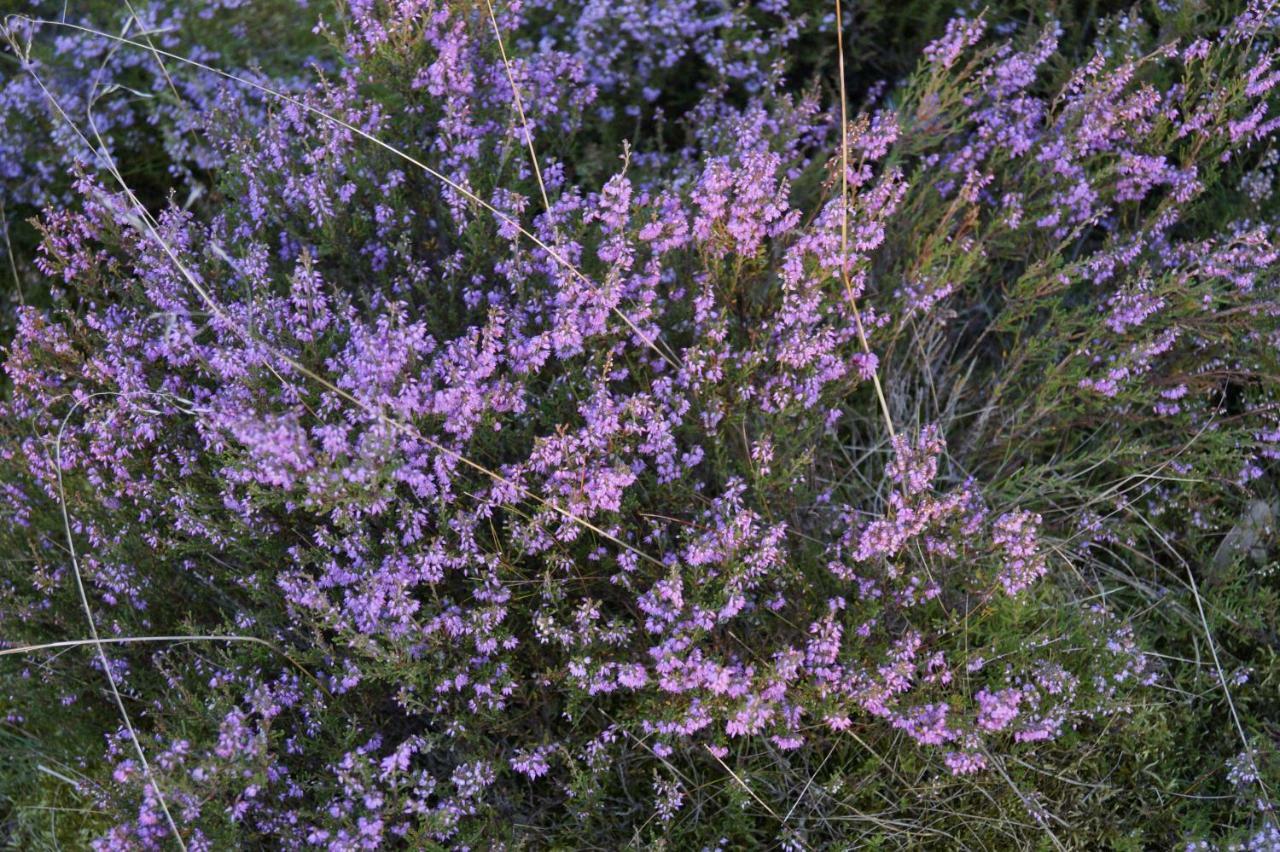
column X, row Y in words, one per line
column 515, row 91
column 844, row 222
column 93, row 629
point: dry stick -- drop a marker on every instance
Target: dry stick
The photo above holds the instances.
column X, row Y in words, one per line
column 515, row 91
column 1031, row 807
column 364, row 134
column 142, row 220
column 682, row 776
column 809, row 784
column 192, row 637
column 674, row 771
column 1213, row 652
column 524, row 120
column 146, row 36
column 189, row 410
column 93, row 627
column 53, row 773
column 745, row 786
column 13, row 263
column 844, row 219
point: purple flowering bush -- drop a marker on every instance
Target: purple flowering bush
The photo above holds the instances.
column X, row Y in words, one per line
column 474, row 435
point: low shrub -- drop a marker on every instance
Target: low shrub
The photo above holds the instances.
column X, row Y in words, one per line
column 626, row 462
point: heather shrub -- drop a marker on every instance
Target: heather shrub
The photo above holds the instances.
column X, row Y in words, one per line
column 511, row 445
